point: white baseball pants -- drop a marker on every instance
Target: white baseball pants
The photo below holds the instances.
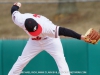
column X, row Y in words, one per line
column 51, row 45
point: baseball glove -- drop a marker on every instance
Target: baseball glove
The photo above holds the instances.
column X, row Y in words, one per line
column 92, row 36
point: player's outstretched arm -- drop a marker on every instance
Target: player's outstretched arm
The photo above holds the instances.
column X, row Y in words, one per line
column 91, row 36
column 68, row 32
column 15, row 7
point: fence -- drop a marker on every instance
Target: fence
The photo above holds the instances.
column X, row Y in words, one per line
column 82, row 58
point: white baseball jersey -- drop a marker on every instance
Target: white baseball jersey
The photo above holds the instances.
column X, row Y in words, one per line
column 48, row 28
column 33, row 47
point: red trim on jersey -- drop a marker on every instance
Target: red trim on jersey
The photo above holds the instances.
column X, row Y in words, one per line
column 37, row 32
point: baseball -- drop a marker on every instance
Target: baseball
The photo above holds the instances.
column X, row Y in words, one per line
column 19, row 4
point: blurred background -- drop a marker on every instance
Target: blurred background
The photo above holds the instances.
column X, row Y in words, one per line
column 78, row 15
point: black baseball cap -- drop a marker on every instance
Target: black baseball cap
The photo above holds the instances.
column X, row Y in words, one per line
column 32, row 27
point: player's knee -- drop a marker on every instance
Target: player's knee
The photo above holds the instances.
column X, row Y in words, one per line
column 22, row 60
column 59, row 58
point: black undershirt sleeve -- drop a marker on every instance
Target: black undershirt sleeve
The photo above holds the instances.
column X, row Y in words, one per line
column 70, row 33
column 14, row 8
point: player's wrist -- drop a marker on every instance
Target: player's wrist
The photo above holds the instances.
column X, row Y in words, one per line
column 83, row 37
column 14, row 8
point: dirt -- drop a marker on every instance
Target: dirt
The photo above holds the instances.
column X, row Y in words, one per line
column 87, row 16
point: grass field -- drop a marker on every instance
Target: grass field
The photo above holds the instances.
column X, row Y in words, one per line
column 87, row 16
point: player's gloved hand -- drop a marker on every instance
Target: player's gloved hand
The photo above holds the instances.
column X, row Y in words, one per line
column 91, row 36
column 17, row 4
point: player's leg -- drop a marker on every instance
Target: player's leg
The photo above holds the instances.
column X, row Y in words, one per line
column 56, row 51
column 31, row 49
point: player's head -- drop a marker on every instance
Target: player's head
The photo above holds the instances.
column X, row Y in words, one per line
column 32, row 27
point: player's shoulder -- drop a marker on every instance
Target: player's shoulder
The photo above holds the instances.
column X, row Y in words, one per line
column 15, row 12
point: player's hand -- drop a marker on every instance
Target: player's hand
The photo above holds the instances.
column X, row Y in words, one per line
column 17, row 4
column 91, row 36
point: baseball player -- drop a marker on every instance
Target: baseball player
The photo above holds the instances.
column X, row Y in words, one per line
column 43, row 35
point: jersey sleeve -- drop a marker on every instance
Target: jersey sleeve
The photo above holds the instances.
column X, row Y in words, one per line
column 18, row 19
column 51, row 31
